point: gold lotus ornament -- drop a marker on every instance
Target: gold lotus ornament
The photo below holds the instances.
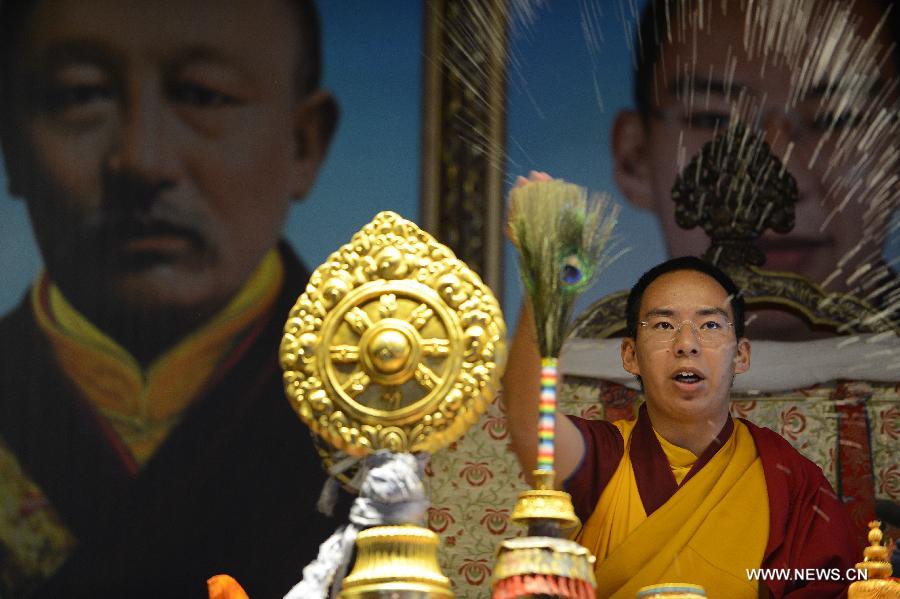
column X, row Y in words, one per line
column 395, row 345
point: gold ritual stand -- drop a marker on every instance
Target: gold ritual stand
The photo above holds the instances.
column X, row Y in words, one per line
column 395, row 345
column 877, row 566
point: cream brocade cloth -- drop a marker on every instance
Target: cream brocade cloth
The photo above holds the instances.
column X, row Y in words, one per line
column 142, row 406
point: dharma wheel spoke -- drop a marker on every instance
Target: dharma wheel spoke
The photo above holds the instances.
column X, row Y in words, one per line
column 420, row 316
column 344, row 354
column 392, row 398
column 426, row 377
column 356, row 384
column 358, row 320
column 435, row 347
column 388, row 305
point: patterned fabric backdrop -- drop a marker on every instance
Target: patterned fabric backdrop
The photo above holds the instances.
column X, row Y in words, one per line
column 474, row 486
column 851, row 430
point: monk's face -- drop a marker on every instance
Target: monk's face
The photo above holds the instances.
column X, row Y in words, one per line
column 160, row 143
column 685, row 350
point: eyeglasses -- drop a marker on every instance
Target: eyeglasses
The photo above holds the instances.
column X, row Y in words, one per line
column 711, row 332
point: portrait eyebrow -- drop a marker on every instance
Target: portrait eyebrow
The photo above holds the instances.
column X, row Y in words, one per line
column 718, row 87
column 57, row 55
column 210, row 56
column 826, row 89
column 206, row 53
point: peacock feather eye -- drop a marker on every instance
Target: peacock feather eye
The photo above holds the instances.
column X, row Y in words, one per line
column 571, row 273
column 574, row 272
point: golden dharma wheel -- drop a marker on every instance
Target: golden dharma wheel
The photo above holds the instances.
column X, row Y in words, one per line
column 395, row 344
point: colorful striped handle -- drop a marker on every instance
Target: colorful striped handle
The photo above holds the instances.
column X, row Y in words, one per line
column 547, row 414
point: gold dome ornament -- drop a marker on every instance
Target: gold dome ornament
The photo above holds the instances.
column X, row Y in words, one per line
column 396, row 347
column 877, row 569
column 395, row 344
column 544, row 503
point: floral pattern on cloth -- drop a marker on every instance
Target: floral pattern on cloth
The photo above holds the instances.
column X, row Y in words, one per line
column 884, row 411
column 33, row 540
column 474, row 484
column 476, row 481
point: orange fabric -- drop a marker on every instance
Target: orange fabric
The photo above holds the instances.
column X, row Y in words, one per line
column 223, row 586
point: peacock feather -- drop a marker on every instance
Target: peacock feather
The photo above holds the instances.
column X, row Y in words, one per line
column 564, row 241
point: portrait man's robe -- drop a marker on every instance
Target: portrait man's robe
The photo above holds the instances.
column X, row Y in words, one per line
column 232, row 487
column 653, row 512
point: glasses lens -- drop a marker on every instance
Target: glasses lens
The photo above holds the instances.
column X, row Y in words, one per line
column 713, row 336
column 712, row 330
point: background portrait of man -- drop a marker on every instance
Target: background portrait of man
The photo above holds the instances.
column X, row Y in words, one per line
column 689, row 81
column 158, row 146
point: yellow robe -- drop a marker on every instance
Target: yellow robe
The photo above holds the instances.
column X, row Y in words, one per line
column 709, row 532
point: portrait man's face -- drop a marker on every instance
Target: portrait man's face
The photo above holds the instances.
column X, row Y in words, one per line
column 161, row 143
column 649, row 157
column 685, row 350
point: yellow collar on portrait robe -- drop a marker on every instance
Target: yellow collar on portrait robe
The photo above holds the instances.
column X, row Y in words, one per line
column 707, row 533
column 143, row 405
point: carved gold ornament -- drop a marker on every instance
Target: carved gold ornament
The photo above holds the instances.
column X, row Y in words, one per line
column 395, row 344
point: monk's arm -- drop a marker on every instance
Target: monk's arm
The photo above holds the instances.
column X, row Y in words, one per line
column 521, row 392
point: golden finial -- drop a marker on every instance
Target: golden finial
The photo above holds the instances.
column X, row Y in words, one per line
column 877, row 569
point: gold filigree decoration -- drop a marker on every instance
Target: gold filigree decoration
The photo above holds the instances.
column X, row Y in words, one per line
column 395, row 344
